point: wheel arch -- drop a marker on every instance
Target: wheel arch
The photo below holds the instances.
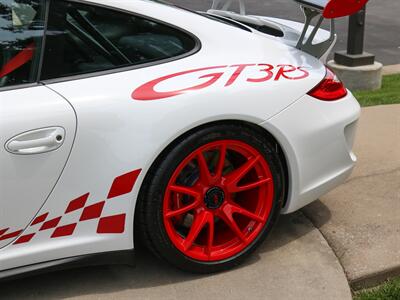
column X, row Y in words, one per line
column 253, row 126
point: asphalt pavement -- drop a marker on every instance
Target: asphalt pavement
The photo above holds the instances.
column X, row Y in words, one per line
column 382, row 24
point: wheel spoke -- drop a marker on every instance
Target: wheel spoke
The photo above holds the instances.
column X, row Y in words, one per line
column 205, row 175
column 181, row 211
column 199, row 222
column 234, row 177
column 233, row 188
column 244, row 212
column 227, row 216
column 185, row 190
column 221, row 162
column 210, row 240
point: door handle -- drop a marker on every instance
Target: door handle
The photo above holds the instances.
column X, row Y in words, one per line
column 37, row 141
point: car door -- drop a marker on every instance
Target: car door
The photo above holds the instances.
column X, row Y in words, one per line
column 37, row 126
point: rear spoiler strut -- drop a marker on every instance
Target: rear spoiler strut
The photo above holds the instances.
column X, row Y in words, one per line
column 312, row 9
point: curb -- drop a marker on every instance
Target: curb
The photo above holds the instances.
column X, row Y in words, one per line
column 329, row 245
column 375, row 279
column 391, row 70
column 366, row 281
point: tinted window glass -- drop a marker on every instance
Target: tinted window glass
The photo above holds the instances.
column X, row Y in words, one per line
column 83, row 39
column 21, row 32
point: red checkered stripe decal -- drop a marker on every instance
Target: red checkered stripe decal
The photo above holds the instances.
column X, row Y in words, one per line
column 112, row 224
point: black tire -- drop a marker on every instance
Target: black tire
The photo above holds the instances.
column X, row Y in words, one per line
column 149, row 224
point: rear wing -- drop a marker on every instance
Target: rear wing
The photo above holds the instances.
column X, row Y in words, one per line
column 333, row 9
column 313, row 10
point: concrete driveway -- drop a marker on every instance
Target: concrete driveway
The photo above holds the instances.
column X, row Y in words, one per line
column 296, row 263
column 361, row 218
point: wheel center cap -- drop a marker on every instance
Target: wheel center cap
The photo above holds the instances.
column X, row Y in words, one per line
column 214, row 198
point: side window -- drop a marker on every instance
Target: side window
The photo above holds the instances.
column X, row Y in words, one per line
column 83, row 38
column 21, row 33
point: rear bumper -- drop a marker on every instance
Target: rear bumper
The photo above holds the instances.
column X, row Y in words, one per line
column 317, row 138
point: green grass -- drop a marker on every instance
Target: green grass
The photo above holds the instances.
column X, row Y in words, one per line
column 387, row 291
column 389, row 94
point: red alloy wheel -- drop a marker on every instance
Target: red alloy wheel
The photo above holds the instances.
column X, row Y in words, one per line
column 218, row 200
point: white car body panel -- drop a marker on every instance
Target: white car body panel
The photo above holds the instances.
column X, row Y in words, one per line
column 318, row 145
column 24, row 110
column 118, row 134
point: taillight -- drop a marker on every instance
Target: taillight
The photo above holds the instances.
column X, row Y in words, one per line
column 329, row 89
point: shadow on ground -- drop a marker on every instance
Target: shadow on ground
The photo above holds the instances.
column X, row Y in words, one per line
column 149, row 273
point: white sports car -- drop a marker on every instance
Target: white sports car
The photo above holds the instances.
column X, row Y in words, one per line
column 127, row 121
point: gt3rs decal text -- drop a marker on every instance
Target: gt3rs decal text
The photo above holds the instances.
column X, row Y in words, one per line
column 257, row 73
column 106, row 224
